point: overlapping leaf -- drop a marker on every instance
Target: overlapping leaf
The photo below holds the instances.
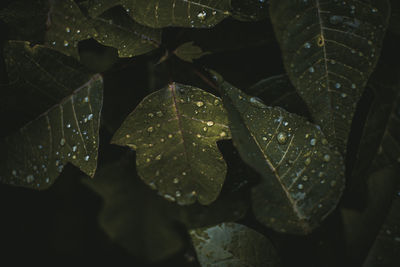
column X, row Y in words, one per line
column 67, row 131
column 150, row 232
column 174, row 132
column 303, row 177
column 68, row 26
column 164, row 13
column 330, row 49
column 189, row 52
column 232, row 244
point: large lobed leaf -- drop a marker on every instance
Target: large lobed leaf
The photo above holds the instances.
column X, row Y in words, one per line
column 232, row 244
column 330, row 49
column 164, row 13
column 174, row 132
column 303, row 177
column 67, row 131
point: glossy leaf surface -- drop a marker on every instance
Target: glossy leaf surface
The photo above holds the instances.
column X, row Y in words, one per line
column 330, row 49
column 164, row 13
column 303, row 177
column 189, row 52
column 68, row 129
column 174, row 132
column 232, row 244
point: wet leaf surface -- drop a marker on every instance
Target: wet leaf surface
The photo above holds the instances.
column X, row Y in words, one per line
column 232, row 244
column 279, row 91
column 189, row 52
column 329, row 50
column 250, row 10
column 174, row 132
column 303, row 177
column 66, row 125
column 159, row 14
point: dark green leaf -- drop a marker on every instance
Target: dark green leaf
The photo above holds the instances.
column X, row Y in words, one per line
column 26, row 19
column 385, row 251
column 133, row 216
column 279, row 91
column 395, row 18
column 189, row 52
column 67, row 26
column 232, row 244
column 68, row 129
column 118, row 30
column 303, row 177
column 330, row 49
column 249, row 10
column 159, row 14
column 361, row 227
column 174, row 132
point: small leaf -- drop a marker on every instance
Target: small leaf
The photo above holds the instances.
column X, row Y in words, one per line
column 67, row 26
column 165, row 13
column 174, row 132
column 232, row 244
column 279, row 91
column 68, row 129
column 385, row 251
column 189, row 52
column 329, row 51
column 129, row 37
column 303, row 177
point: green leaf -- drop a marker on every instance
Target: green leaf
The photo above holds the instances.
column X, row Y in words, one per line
column 329, row 51
column 189, row 52
column 160, row 14
column 133, row 216
column 361, row 227
column 67, row 131
column 385, row 251
column 249, row 10
column 303, row 177
column 26, row 19
column 279, row 91
column 69, row 26
column 118, row 30
column 232, row 244
column 395, row 17
column 174, row 132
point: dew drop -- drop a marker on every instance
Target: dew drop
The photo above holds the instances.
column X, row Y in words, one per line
column 170, row 136
column 158, row 157
column 222, row 134
column 281, row 137
column 175, row 180
column 90, row 116
column 313, row 142
column 66, row 43
column 338, row 85
column 307, row 45
column 210, row 123
column 202, row 15
column 307, row 161
column 86, row 158
column 62, row 142
column 199, row 104
column 327, row 157
column 311, row 69
column 178, row 193
column 300, row 186
column 150, row 129
column 30, row 178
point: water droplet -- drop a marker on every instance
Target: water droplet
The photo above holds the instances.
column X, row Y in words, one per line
column 281, row 137
column 307, row 45
column 62, row 142
column 202, row 15
column 344, row 95
column 374, row 10
column 169, row 198
column 321, row 174
column 67, row 29
column 66, row 43
column 210, row 123
column 353, row 85
column 216, row 102
column 305, row 178
column 222, row 134
column 324, row 141
column 40, row 146
column 150, row 129
column 30, row 178
column 335, row 20
column 90, row 116
column 307, row 161
column 327, row 157
column 170, row 136
column 178, row 193
column 47, row 180
column 158, row 157
column 338, row 85
column 86, row 99
column 313, row 141
column 86, row 158
column 319, row 205
column 311, row 69
column 199, row 104
column 300, row 186
column 14, row 172
column 175, row 180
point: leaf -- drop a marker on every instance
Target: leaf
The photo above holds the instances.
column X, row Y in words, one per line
column 68, row 26
column 361, row 227
column 232, row 244
column 160, row 14
column 189, row 52
column 68, row 129
column 329, row 51
column 118, row 30
column 386, row 249
column 26, row 19
column 133, row 216
column 303, row 177
column 395, row 17
column 249, row 10
column 174, row 132
column 279, row 91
